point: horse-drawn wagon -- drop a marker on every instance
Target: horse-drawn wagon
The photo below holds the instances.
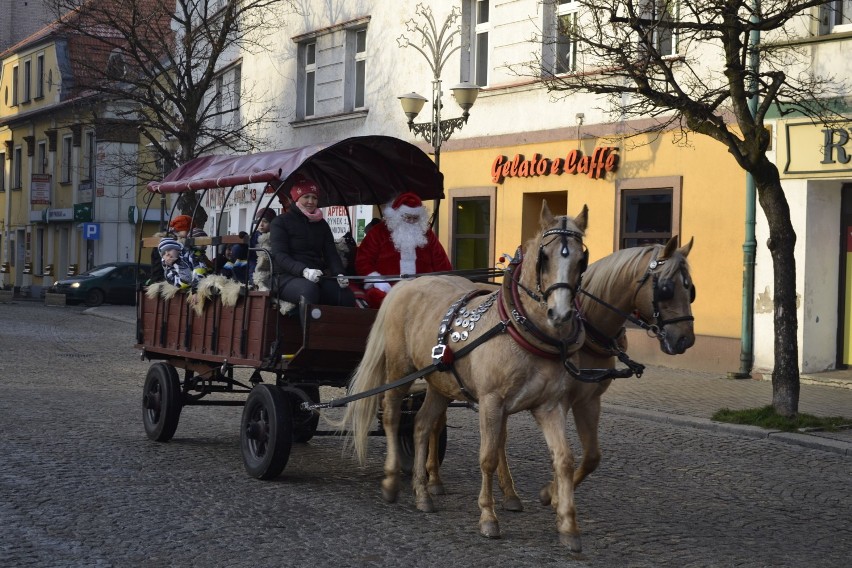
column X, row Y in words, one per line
column 196, row 350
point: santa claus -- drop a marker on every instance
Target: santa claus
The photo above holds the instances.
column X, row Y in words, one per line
column 402, row 244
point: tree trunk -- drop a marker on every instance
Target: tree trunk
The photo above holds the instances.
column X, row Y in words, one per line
column 781, row 245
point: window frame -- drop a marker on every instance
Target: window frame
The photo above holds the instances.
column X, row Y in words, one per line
column 14, row 85
column 564, row 8
column 27, row 84
column 66, row 162
column 39, row 91
column 17, row 180
column 308, row 74
column 2, row 171
column 41, row 157
column 357, row 69
column 648, row 186
column 480, row 30
column 835, row 17
column 470, row 194
column 89, row 156
column 652, row 10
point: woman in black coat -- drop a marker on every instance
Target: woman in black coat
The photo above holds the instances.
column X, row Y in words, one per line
column 303, row 252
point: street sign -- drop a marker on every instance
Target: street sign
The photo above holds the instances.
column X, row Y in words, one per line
column 91, row 231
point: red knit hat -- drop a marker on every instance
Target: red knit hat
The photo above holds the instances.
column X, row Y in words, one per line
column 303, row 186
column 181, row 223
column 407, row 199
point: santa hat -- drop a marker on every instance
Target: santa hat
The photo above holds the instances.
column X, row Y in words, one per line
column 303, row 186
column 168, row 243
column 408, row 201
column 181, row 223
column 265, row 213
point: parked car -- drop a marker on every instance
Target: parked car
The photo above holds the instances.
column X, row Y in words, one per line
column 114, row 282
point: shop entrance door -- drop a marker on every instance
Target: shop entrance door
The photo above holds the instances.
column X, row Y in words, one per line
column 844, row 347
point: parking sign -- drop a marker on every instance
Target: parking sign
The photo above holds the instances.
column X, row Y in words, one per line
column 91, row 231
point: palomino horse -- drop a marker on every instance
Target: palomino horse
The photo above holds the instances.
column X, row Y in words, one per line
column 654, row 283
column 521, row 366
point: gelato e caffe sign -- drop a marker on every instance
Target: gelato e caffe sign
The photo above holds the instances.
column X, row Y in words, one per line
column 603, row 159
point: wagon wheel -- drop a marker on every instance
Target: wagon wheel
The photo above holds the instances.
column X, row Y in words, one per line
column 266, row 432
column 305, row 422
column 406, row 443
column 161, row 402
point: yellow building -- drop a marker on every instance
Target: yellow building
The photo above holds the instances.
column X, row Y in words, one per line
column 65, row 201
column 637, row 191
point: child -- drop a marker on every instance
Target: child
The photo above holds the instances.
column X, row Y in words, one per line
column 177, row 268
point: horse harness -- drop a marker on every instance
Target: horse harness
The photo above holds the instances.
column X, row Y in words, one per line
column 663, row 289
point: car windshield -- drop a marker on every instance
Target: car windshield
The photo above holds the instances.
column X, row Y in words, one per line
column 99, row 271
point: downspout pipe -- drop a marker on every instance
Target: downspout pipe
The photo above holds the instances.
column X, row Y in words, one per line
column 750, row 243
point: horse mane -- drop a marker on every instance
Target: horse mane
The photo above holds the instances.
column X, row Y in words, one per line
column 627, row 263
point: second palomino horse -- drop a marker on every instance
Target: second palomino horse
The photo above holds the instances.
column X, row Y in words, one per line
column 511, row 347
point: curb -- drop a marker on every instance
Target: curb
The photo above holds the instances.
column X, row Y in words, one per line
column 805, row 440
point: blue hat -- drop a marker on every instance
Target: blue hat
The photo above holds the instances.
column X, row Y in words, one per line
column 168, row 244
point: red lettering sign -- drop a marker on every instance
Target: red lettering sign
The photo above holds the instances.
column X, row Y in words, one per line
column 603, row 159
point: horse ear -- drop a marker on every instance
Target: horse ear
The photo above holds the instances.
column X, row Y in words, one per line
column 669, row 249
column 684, row 250
column 582, row 219
column 546, row 218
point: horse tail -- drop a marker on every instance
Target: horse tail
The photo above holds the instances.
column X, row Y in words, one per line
column 360, row 414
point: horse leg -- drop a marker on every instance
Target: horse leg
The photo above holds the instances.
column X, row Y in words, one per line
column 433, row 460
column 552, row 424
column 491, row 423
column 586, row 418
column 428, row 416
column 511, row 501
column 391, row 412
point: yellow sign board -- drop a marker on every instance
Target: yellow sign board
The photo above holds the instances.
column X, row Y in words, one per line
column 807, row 150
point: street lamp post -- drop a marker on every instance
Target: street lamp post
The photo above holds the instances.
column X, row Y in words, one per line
column 436, row 47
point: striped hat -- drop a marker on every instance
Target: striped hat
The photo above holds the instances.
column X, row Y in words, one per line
column 168, row 243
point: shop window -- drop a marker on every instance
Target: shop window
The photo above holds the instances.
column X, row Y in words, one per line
column 648, row 211
column 835, row 17
column 472, row 228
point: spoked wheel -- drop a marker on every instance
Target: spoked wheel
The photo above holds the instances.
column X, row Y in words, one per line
column 161, row 402
column 266, row 432
column 406, row 443
column 305, row 423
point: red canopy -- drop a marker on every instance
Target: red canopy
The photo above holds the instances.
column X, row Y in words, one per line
column 366, row 170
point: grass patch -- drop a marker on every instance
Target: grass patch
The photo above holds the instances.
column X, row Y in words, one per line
column 766, row 417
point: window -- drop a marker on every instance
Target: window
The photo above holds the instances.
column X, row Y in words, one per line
column 566, row 46
column 89, row 156
column 662, row 37
column 39, row 91
column 481, row 30
column 28, row 81
column 17, row 165
column 835, row 16
column 2, row 171
column 66, row 159
column 309, row 54
column 227, row 99
column 41, row 158
column 472, row 228
column 357, row 46
column 648, row 211
column 14, row 85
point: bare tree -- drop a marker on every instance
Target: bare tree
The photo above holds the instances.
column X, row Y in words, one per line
column 696, row 66
column 163, row 66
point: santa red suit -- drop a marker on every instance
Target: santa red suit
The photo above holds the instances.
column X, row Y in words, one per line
column 402, row 244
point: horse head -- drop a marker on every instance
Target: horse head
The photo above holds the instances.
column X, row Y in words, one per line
column 561, row 259
column 665, row 295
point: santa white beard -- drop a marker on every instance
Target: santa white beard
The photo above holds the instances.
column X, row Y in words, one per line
column 407, row 237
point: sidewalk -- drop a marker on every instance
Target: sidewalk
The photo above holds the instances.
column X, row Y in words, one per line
column 690, row 398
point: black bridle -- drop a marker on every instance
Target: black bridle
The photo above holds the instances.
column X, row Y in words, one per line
column 564, row 233
column 663, row 290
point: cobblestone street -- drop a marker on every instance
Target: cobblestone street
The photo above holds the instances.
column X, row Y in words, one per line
column 81, row 485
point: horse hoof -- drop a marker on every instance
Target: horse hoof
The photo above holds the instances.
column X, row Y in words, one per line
column 389, row 496
column 437, row 490
column 426, row 505
column 513, row 504
column 490, row 529
column 544, row 495
column 572, row 541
